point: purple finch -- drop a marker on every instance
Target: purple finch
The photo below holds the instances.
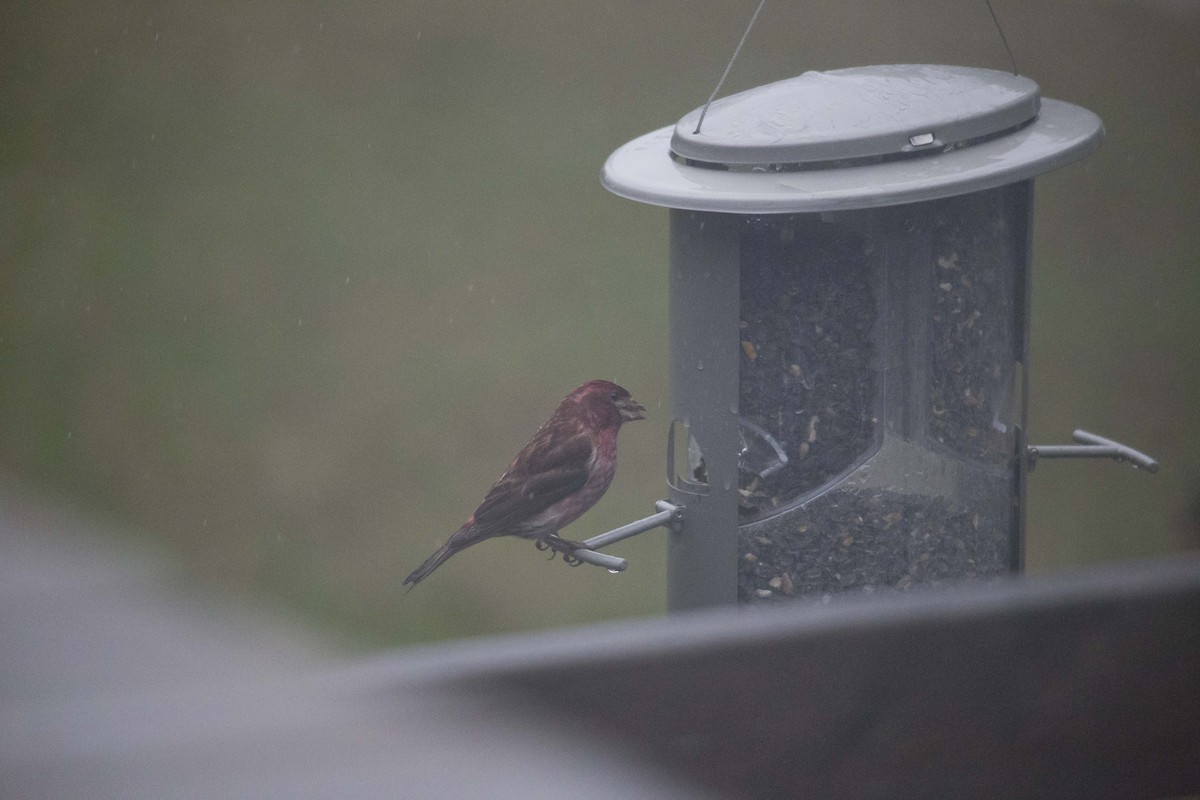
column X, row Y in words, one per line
column 566, row 467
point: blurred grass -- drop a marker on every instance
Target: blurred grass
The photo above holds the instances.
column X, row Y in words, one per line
column 286, row 285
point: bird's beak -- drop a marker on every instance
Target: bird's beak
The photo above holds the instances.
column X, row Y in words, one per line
column 631, row 409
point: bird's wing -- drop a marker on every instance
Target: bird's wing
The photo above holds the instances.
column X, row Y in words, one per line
column 547, row 470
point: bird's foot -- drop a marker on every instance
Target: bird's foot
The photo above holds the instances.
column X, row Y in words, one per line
column 556, row 544
column 542, row 544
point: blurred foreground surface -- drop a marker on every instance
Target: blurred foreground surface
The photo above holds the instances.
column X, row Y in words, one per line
column 115, row 683
column 120, row 679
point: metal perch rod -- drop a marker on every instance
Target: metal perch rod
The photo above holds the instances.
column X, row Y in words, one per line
column 1093, row 446
column 667, row 514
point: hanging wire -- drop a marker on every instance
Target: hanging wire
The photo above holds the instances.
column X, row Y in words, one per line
column 729, row 66
column 1012, row 59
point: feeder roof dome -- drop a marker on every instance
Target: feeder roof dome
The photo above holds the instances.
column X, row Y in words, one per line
column 855, row 138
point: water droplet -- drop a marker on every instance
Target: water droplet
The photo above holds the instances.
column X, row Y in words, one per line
column 699, row 363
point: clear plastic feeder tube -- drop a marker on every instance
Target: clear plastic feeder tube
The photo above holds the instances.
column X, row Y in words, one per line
column 884, row 349
column 879, row 360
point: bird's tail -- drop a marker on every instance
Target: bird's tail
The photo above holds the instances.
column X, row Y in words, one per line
column 433, row 562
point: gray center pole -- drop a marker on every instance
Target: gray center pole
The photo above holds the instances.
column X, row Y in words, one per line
column 704, row 309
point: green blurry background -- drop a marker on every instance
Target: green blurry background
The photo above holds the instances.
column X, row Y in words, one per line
column 285, row 285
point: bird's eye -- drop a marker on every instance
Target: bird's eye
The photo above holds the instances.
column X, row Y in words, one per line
column 614, row 396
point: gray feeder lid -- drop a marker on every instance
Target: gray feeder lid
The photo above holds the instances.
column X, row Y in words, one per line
column 855, row 138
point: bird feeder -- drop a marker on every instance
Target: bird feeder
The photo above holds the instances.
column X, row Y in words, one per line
column 849, row 320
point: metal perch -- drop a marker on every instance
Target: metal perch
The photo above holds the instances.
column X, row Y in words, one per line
column 1092, row 446
column 668, row 514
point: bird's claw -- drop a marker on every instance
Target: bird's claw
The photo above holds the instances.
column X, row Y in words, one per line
column 565, row 547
